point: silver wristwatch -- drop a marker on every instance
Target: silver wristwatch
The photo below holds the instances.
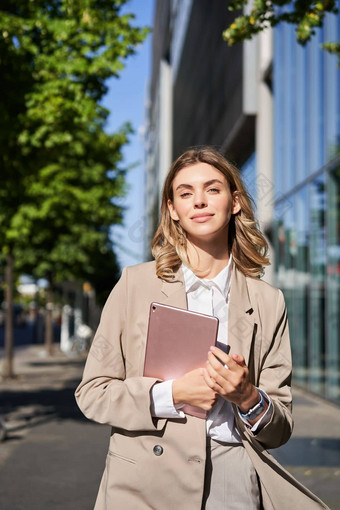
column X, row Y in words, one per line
column 255, row 411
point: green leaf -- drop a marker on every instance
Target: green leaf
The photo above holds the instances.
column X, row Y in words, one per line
column 61, row 173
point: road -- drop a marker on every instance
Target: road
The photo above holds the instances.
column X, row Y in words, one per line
column 53, row 457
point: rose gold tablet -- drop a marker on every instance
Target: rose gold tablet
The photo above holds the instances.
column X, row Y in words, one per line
column 178, row 341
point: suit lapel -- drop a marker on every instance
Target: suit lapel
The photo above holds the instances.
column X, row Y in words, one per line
column 241, row 325
column 173, row 293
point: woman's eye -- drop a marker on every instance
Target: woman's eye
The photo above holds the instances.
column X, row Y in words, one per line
column 215, row 190
column 184, row 195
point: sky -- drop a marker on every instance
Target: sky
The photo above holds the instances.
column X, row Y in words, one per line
column 126, row 101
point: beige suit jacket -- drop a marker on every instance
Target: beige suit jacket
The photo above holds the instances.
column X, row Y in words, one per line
column 139, row 476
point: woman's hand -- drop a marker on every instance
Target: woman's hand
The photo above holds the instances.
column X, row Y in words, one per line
column 231, row 383
column 192, row 389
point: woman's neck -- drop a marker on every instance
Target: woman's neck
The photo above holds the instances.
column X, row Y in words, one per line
column 207, row 260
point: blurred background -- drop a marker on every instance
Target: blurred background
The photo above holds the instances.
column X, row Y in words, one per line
column 97, row 100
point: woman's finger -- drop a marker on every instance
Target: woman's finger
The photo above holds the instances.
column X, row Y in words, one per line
column 217, row 371
column 239, row 360
column 220, row 384
column 209, row 381
column 218, row 353
column 215, row 359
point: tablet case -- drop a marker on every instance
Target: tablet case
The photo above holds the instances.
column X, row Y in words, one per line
column 178, row 341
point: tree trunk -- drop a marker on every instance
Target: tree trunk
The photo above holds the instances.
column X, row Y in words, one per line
column 8, row 361
column 49, row 319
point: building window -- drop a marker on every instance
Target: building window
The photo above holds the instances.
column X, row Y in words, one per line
column 307, row 202
column 307, row 266
column 333, row 285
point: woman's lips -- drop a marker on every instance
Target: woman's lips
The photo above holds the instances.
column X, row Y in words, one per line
column 202, row 218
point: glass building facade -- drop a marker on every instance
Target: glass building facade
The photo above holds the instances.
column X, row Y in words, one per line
column 307, row 202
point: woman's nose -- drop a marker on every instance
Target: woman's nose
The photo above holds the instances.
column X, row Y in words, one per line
column 200, row 201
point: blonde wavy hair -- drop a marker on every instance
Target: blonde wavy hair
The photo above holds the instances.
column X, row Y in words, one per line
column 246, row 243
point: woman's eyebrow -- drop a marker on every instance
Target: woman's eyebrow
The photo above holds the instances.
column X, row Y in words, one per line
column 208, row 183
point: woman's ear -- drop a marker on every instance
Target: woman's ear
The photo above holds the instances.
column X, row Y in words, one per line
column 236, row 203
column 172, row 211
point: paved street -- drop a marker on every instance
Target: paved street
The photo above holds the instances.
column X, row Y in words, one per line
column 53, row 457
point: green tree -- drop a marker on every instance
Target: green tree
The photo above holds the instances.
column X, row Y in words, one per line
column 306, row 15
column 16, row 80
column 61, row 170
column 67, row 216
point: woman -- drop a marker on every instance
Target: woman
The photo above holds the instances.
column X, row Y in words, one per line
column 209, row 255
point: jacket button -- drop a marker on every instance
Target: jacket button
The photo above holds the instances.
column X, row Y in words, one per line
column 157, row 450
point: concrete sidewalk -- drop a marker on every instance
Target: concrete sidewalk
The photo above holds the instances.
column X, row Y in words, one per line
column 32, row 397
column 312, row 454
column 53, row 457
column 34, row 369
